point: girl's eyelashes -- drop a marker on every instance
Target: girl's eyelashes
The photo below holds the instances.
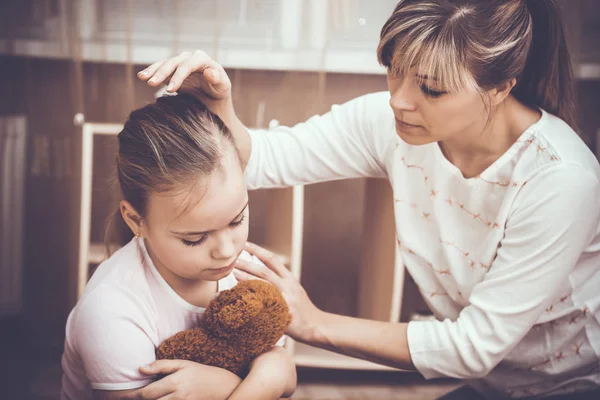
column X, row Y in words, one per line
column 238, row 222
column 431, row 93
column 205, row 236
column 194, row 243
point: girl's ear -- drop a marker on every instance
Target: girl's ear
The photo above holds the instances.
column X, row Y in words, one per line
column 131, row 217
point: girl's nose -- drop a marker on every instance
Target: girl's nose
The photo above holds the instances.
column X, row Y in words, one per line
column 224, row 248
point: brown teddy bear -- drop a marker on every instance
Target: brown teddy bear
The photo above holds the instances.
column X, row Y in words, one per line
column 237, row 326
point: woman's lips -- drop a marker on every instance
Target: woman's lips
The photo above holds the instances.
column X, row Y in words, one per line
column 405, row 124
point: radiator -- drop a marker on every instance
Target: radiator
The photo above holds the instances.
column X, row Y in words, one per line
column 12, row 190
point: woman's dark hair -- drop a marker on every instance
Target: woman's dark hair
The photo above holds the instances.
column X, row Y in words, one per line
column 483, row 44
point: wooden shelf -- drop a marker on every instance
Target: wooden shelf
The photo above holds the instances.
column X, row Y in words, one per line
column 342, row 60
column 97, row 253
column 360, row 61
column 308, row 356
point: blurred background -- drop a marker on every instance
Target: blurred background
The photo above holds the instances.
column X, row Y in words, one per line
column 64, row 63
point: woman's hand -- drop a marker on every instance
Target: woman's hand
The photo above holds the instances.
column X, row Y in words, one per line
column 203, row 77
column 306, row 316
column 186, row 380
column 194, row 73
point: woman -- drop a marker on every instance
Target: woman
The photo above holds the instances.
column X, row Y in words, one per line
column 496, row 197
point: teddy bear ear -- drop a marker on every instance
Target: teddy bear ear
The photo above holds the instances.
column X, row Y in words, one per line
column 235, row 315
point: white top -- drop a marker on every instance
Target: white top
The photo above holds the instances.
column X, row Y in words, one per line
column 508, row 261
column 125, row 312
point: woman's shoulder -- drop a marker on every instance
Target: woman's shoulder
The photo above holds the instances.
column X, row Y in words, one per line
column 562, row 145
column 549, row 148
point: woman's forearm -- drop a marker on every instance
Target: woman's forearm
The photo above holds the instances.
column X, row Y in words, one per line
column 240, row 134
column 380, row 342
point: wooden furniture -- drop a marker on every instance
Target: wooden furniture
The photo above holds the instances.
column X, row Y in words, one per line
column 381, row 275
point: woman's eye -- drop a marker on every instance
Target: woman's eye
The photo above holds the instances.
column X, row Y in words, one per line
column 430, row 92
column 194, row 243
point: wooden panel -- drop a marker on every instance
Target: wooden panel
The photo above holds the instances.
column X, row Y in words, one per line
column 378, row 293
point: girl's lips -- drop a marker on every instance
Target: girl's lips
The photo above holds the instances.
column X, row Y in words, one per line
column 223, row 269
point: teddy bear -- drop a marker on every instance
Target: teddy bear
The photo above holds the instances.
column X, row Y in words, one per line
column 238, row 325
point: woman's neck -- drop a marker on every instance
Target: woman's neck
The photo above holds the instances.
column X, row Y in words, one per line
column 484, row 142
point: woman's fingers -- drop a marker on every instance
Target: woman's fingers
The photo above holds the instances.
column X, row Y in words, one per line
column 214, row 78
column 167, row 68
column 241, row 275
column 149, row 71
column 253, row 271
column 270, row 259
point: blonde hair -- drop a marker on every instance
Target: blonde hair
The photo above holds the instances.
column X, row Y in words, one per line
column 482, row 44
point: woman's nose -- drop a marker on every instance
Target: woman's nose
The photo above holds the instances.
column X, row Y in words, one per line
column 224, row 248
column 402, row 96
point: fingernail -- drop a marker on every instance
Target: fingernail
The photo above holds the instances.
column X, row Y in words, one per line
column 143, row 73
column 213, row 74
column 171, row 86
column 153, row 79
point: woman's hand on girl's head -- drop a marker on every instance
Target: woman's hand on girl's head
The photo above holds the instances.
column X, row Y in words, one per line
column 203, row 77
column 194, row 73
column 305, row 315
column 186, row 380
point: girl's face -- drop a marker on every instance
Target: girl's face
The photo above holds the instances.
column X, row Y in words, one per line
column 426, row 113
column 199, row 234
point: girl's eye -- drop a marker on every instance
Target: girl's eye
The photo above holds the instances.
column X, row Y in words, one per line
column 430, row 92
column 238, row 222
column 204, row 237
column 194, row 243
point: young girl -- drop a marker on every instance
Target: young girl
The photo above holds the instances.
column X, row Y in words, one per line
column 185, row 200
column 495, row 195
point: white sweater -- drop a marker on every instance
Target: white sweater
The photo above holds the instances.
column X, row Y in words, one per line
column 509, row 261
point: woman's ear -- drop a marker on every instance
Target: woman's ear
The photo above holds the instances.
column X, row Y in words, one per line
column 501, row 92
column 131, row 217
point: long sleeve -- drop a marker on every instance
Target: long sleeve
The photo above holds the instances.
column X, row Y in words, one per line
column 350, row 141
column 553, row 222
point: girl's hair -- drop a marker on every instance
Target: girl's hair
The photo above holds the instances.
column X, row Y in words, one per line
column 482, row 44
column 166, row 145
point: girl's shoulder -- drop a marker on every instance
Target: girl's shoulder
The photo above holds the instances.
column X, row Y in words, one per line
column 118, row 285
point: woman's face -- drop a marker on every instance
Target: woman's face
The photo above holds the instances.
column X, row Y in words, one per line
column 426, row 113
column 199, row 234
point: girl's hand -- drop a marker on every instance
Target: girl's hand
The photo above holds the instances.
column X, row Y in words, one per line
column 187, row 380
column 305, row 315
column 194, row 73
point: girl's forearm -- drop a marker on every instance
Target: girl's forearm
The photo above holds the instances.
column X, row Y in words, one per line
column 380, row 342
column 272, row 376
